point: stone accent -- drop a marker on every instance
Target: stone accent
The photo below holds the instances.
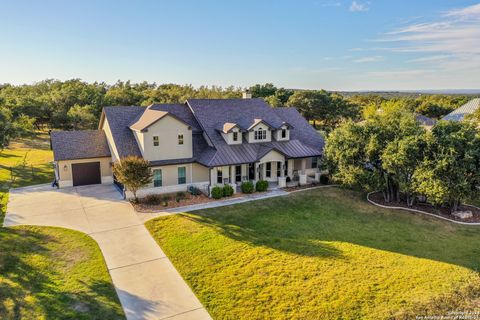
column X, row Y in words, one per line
column 463, row 214
column 302, row 179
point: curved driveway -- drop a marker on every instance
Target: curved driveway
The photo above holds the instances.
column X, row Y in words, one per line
column 148, row 285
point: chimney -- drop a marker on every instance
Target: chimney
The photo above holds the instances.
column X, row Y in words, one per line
column 246, row 94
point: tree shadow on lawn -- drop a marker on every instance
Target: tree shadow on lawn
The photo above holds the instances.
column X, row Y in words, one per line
column 29, row 288
column 305, row 223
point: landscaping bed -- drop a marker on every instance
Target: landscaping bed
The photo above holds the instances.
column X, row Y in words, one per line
column 443, row 212
column 186, row 200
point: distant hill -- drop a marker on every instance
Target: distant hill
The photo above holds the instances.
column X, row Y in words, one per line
column 413, row 94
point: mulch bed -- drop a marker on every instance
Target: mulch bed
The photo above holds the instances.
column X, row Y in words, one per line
column 443, row 212
column 172, row 203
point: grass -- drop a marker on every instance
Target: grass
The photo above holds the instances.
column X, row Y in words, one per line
column 26, row 162
column 321, row 254
column 48, row 273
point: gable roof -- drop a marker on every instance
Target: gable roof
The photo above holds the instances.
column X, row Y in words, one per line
column 467, row 109
column 148, row 118
column 71, row 145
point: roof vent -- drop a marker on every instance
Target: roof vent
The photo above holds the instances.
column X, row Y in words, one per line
column 246, row 94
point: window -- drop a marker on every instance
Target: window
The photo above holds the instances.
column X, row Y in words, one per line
column 157, row 178
column 284, row 133
column 238, row 173
column 235, row 136
column 268, row 170
column 219, row 175
column 286, row 168
column 279, row 167
column 260, row 134
column 314, row 162
column 181, row 175
column 180, row 139
column 156, row 141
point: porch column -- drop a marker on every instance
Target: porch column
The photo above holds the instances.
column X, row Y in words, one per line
column 291, row 164
column 257, row 165
column 233, row 184
column 282, row 181
column 303, row 175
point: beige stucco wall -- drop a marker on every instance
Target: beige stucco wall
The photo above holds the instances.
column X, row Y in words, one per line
column 111, row 144
column 251, row 133
column 167, row 129
column 228, row 137
column 199, row 173
column 196, row 175
column 273, row 156
column 278, row 134
column 65, row 174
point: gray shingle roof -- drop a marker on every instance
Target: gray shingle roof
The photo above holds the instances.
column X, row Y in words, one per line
column 467, row 109
column 70, row 145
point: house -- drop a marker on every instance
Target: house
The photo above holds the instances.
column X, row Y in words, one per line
column 425, row 121
column 202, row 143
column 467, row 109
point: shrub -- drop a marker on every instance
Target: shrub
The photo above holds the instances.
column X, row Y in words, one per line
column 324, row 179
column 152, row 199
column 217, row 192
column 194, row 191
column 247, row 187
column 227, row 190
column 165, row 199
column 261, row 185
column 180, row 196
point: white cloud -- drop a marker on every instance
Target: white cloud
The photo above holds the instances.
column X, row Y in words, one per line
column 369, row 59
column 451, row 42
column 359, row 6
column 465, row 13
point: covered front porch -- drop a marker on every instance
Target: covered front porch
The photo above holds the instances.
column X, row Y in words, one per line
column 273, row 167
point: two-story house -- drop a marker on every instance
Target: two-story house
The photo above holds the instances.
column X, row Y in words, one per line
column 203, row 142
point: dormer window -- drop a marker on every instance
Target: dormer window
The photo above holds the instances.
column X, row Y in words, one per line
column 156, row 141
column 180, row 139
column 284, row 133
column 235, row 136
column 260, row 134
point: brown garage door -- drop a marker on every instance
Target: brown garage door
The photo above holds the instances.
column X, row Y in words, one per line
column 86, row 173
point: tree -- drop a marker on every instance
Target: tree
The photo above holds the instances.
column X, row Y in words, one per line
column 11, row 128
column 378, row 154
column 133, row 172
column 81, row 117
column 450, row 173
column 329, row 109
column 263, row 90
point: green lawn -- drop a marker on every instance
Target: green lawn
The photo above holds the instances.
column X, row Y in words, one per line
column 48, row 273
column 322, row 254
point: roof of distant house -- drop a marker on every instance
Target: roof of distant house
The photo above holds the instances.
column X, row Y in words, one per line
column 468, row 108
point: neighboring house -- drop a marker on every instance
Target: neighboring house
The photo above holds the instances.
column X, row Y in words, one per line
column 203, row 142
column 425, row 121
column 467, row 109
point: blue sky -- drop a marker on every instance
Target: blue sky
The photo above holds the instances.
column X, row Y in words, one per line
column 330, row 44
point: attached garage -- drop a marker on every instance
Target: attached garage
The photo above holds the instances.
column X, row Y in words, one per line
column 81, row 158
column 86, row 173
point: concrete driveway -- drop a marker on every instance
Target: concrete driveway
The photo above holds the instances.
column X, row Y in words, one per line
column 148, row 285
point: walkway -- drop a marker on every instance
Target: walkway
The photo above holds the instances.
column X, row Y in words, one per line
column 148, row 285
